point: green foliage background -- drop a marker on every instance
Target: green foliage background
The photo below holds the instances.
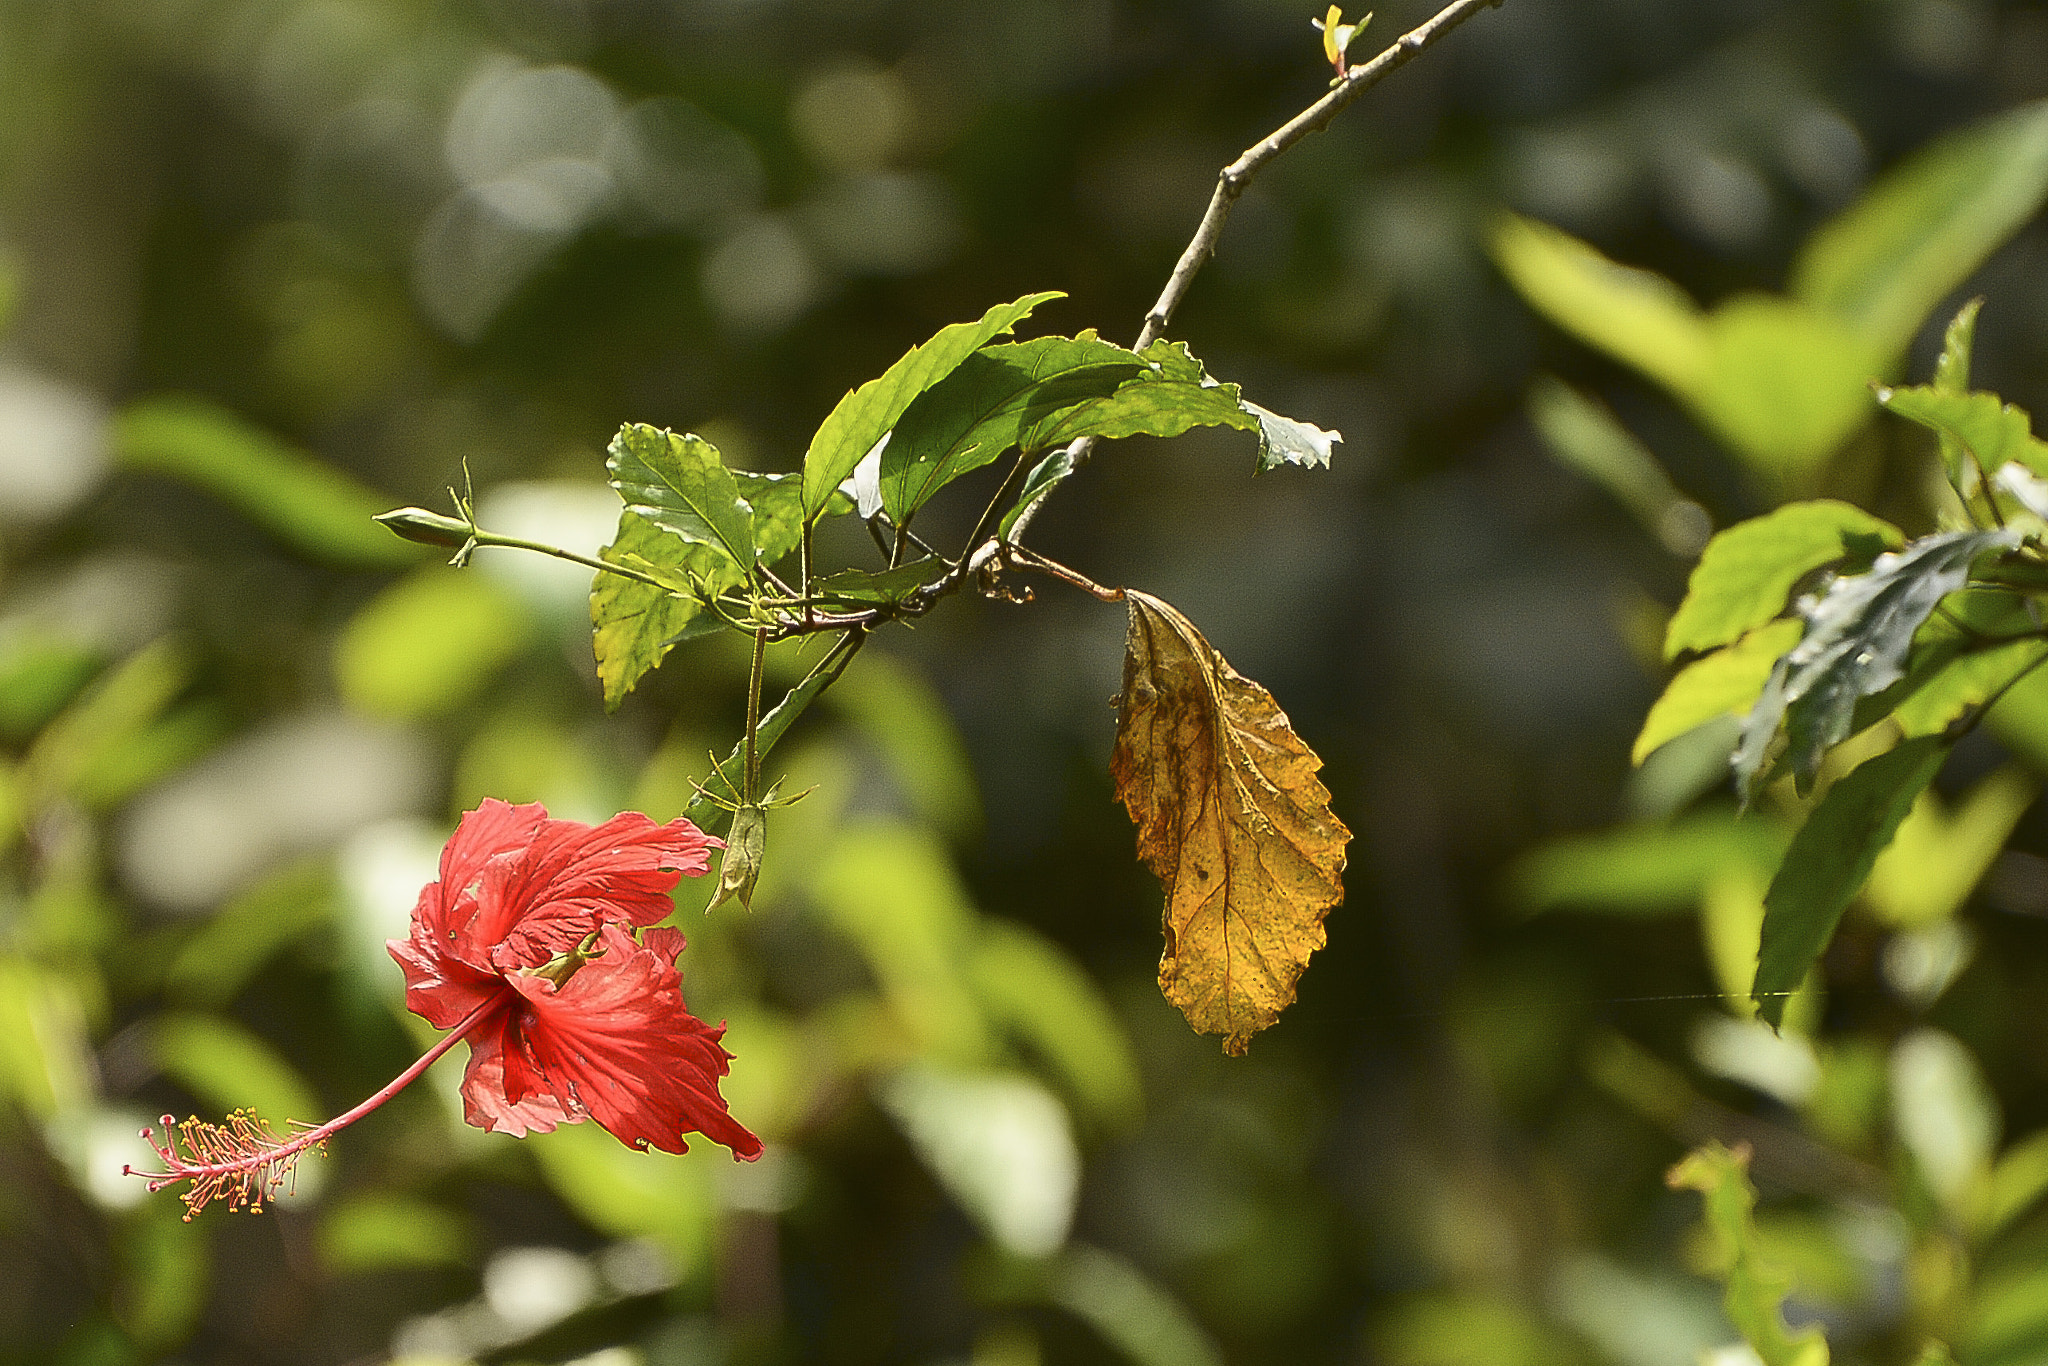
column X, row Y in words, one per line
column 276, row 265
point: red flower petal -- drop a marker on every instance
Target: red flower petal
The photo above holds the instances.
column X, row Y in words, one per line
column 498, row 1062
column 573, row 877
column 618, row 1038
column 517, row 888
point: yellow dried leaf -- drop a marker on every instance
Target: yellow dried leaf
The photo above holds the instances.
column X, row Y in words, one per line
column 1232, row 818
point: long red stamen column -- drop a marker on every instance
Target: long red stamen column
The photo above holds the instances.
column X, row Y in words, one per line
column 244, row 1162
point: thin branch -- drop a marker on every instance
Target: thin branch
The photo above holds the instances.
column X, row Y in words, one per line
column 1232, row 180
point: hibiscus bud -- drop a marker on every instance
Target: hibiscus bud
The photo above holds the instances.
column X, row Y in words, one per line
column 745, row 844
column 426, row 528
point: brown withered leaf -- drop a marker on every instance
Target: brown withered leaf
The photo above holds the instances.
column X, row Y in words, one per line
column 1232, row 818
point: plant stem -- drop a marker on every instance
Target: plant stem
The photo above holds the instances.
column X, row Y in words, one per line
column 310, row 1138
column 752, row 771
column 490, row 538
column 1232, row 180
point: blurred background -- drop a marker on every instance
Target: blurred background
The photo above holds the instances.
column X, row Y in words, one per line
column 273, row 265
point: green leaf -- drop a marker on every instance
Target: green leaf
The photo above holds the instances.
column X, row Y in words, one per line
column 777, row 501
column 1755, row 1296
column 1644, row 870
column 634, row 624
column 225, row 953
column 1925, row 226
column 986, row 405
column 1029, row 987
column 378, row 1231
column 1829, row 860
column 1747, row 571
column 2018, row 1180
column 1171, row 396
column 1636, row 316
column 307, row 504
column 1720, row 684
column 881, row 587
column 1979, row 431
column 230, row 1068
column 704, row 808
column 1965, row 681
column 1936, row 859
column 1787, row 383
column 117, row 737
column 679, row 483
column 866, row 414
column 428, row 644
column 1289, row 441
column 1582, row 435
column 1857, row 636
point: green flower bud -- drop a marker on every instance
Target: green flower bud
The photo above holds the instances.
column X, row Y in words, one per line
column 426, row 528
column 745, row 844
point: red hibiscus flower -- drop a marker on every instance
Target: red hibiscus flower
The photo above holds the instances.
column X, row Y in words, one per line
column 534, row 921
column 535, row 946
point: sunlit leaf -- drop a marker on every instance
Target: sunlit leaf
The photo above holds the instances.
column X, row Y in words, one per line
column 1645, row 869
column 1723, row 683
column 1858, row 632
column 634, row 624
column 1289, row 441
column 1936, row 859
column 1787, row 384
column 1756, row 1291
column 1952, row 376
column 1636, row 316
column 777, row 501
column 1232, row 819
column 998, row 1143
column 679, row 483
column 1926, row 225
column 985, row 406
column 1033, row 990
column 1129, row 1310
column 1746, row 572
column 428, row 644
column 668, row 1198
column 381, row 1231
column 1829, row 860
column 2007, row 1324
column 307, row 504
column 1980, row 432
column 862, row 417
column 1945, row 1114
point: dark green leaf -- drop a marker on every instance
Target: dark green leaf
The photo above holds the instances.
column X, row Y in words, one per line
column 633, row 623
column 860, row 588
column 1925, row 226
column 1829, row 860
column 1979, row 431
column 866, row 414
column 1170, row 396
column 305, row 503
column 1746, row 572
column 986, row 405
column 705, row 809
column 1857, row 636
column 679, row 483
